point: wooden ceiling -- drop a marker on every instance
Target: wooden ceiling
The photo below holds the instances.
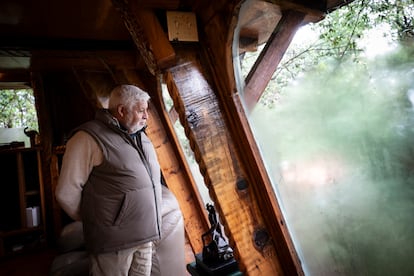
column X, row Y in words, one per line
column 27, row 25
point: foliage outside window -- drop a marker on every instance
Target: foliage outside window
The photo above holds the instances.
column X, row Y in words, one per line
column 339, row 36
column 17, row 109
column 339, row 148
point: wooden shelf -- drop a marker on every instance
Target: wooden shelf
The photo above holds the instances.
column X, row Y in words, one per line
column 24, row 189
column 20, row 231
column 31, row 193
column 18, row 149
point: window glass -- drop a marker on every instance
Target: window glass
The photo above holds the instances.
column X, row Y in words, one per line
column 337, row 142
column 17, row 113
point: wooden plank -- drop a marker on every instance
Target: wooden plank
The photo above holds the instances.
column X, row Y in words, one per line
column 137, row 33
column 55, row 208
column 99, row 60
column 22, row 188
column 147, row 34
column 14, row 76
column 179, row 180
column 270, row 57
column 258, row 19
column 41, row 189
column 314, row 10
column 220, row 62
column 46, row 134
column 204, row 125
column 157, row 39
column 14, row 79
column 159, row 4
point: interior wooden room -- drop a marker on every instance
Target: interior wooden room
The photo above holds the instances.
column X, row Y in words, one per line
column 186, row 55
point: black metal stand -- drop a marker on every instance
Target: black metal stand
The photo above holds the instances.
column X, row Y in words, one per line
column 199, row 268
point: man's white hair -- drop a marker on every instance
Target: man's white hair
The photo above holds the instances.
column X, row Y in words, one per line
column 127, row 95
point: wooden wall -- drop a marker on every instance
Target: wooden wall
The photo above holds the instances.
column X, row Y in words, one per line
column 70, row 86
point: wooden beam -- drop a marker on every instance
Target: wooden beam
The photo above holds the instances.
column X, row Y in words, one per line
column 98, row 60
column 314, row 11
column 19, row 75
column 159, row 4
column 248, row 44
column 221, row 64
column 178, row 177
column 14, row 85
column 204, row 125
column 147, row 34
column 137, row 33
column 49, row 160
column 17, row 45
column 173, row 115
column 270, row 57
column 159, row 44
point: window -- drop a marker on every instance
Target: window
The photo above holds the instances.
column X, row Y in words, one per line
column 337, row 143
column 17, row 112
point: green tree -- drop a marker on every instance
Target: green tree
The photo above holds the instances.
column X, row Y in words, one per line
column 17, row 109
column 337, row 142
column 340, row 34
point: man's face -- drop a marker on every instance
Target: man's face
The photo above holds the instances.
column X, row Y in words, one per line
column 136, row 118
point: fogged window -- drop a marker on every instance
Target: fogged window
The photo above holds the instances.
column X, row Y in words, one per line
column 338, row 143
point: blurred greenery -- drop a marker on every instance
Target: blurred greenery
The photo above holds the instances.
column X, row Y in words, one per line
column 17, row 109
column 339, row 147
column 340, row 35
column 336, row 129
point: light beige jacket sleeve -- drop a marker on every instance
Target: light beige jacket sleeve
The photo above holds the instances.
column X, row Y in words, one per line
column 82, row 153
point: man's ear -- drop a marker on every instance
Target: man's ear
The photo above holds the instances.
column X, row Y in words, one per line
column 120, row 109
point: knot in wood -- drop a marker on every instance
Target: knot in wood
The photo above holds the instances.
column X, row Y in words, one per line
column 261, row 238
column 241, row 184
column 193, row 118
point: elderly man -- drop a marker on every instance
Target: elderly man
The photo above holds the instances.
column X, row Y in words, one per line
column 110, row 180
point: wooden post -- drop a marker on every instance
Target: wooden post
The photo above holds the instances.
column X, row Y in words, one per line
column 270, row 57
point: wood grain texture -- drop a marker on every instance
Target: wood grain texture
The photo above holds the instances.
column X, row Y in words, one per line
column 158, row 41
column 138, row 35
column 229, row 90
column 199, row 112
